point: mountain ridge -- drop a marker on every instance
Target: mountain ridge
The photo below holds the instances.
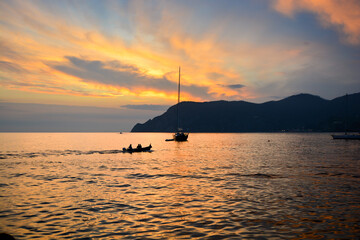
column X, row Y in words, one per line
column 301, row 112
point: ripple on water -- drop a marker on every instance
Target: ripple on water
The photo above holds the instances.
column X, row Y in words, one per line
column 223, row 194
column 256, row 175
column 118, row 185
column 50, row 153
column 121, row 169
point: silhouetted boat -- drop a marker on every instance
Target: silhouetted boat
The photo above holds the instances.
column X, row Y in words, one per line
column 347, row 136
column 137, row 149
column 179, row 136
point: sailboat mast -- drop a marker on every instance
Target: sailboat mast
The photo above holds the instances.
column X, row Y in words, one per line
column 179, row 87
column 177, row 108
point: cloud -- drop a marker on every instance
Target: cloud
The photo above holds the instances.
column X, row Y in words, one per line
column 341, row 15
column 152, row 107
column 11, row 67
column 115, row 73
column 8, row 52
column 132, row 51
column 235, row 86
column 128, row 52
column 102, row 72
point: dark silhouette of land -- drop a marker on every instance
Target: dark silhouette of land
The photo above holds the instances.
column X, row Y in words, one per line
column 303, row 112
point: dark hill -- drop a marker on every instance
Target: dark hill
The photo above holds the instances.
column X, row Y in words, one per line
column 303, row 112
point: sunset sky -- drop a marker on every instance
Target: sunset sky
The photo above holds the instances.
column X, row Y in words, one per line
column 106, row 65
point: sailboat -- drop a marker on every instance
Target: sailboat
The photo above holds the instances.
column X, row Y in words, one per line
column 346, row 136
column 179, row 135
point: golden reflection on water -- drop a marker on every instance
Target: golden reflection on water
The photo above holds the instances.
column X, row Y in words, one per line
column 57, row 185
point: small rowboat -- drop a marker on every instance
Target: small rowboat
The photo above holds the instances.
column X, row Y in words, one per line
column 137, row 149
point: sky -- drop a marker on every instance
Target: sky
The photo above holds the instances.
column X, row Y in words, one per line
column 107, row 65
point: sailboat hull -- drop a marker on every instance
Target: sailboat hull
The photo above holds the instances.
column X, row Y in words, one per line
column 180, row 136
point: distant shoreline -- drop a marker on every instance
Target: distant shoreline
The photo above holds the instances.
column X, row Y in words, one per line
column 298, row 113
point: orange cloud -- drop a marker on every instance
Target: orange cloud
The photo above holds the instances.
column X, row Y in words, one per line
column 44, row 37
column 343, row 15
column 42, row 41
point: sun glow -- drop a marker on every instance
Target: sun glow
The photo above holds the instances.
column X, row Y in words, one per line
column 135, row 51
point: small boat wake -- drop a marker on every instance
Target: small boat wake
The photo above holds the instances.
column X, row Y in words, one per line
column 12, row 155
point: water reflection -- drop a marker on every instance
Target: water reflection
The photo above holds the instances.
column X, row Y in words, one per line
column 216, row 186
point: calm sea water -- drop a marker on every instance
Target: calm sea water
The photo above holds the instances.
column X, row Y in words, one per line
column 215, row 186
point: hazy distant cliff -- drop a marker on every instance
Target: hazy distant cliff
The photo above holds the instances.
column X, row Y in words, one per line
column 303, row 112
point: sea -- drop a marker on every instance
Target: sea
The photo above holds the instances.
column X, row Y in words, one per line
column 214, row 186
